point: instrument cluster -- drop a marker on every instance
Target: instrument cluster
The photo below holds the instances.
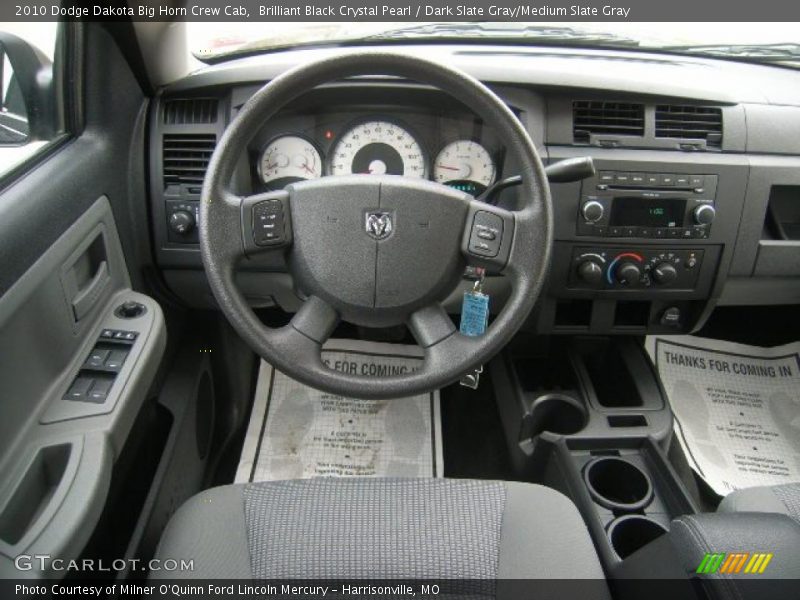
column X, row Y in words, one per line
column 452, row 150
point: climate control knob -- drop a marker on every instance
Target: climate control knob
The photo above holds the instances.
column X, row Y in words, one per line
column 627, row 273
column 592, row 211
column 664, row 273
column 704, row 214
column 590, row 272
column 181, row 222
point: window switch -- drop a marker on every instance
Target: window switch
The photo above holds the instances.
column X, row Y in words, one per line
column 79, row 388
column 96, row 359
column 115, row 359
column 99, row 391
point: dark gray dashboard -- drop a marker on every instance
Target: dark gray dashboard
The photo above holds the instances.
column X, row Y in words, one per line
column 654, row 124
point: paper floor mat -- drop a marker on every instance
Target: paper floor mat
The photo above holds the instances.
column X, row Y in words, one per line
column 736, row 407
column 297, row 432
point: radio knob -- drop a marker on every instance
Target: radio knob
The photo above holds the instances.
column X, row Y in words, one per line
column 704, row 214
column 592, row 211
column 664, row 273
column 627, row 273
column 590, row 272
column 181, row 222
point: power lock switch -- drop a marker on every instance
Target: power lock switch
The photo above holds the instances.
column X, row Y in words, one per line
column 268, row 223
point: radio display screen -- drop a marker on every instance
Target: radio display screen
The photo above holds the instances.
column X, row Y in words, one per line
column 630, row 211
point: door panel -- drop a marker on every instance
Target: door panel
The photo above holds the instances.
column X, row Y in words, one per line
column 74, row 367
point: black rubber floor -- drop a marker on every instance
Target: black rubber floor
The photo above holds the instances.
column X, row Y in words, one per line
column 474, row 446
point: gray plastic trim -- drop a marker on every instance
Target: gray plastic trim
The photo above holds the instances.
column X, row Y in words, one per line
column 43, row 347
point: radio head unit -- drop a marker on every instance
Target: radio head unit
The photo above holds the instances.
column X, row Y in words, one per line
column 647, row 205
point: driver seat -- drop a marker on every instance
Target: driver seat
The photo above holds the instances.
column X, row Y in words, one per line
column 368, row 528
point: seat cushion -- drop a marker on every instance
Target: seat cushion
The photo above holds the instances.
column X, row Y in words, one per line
column 783, row 499
column 381, row 528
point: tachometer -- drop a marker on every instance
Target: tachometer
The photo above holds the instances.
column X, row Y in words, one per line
column 465, row 165
column 287, row 159
column 377, row 148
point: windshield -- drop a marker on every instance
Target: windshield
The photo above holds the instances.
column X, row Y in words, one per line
column 762, row 42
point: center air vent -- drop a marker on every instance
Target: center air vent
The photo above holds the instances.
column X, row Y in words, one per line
column 186, row 157
column 595, row 117
column 190, row 111
column 690, row 123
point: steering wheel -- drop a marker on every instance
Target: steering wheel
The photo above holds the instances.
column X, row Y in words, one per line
column 375, row 250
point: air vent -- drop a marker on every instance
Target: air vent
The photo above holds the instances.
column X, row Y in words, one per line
column 186, row 157
column 590, row 117
column 190, row 111
column 690, row 123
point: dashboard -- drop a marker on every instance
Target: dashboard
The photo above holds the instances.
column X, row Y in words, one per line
column 454, row 150
column 695, row 202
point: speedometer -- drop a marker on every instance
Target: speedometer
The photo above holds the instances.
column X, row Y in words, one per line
column 287, row 159
column 465, row 165
column 378, row 148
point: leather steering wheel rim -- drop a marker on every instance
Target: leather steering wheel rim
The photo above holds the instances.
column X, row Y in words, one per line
column 226, row 235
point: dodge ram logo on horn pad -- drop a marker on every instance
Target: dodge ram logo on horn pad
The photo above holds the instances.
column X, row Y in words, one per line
column 379, row 225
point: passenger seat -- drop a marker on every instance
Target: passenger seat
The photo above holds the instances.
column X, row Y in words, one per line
column 783, row 499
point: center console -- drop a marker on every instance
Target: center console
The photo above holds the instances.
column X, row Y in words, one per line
column 644, row 245
column 588, row 417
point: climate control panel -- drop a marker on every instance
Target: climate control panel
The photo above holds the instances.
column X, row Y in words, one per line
column 635, row 268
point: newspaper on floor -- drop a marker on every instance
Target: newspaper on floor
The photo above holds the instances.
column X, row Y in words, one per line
column 736, row 407
column 298, row 432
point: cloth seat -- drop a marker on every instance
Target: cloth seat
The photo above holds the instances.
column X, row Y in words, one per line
column 382, row 529
column 784, row 499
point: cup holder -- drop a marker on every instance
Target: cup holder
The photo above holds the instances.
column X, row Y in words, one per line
column 629, row 533
column 618, row 484
column 557, row 413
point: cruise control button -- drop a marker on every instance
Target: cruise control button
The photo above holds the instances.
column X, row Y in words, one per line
column 268, row 222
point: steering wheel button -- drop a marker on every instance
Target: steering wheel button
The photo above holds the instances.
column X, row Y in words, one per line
column 486, row 234
column 268, row 223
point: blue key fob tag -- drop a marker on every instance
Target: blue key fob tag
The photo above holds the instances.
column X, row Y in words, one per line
column 474, row 313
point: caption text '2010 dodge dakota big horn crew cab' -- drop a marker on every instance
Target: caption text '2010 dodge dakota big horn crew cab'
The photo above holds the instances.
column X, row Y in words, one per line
column 433, row 302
